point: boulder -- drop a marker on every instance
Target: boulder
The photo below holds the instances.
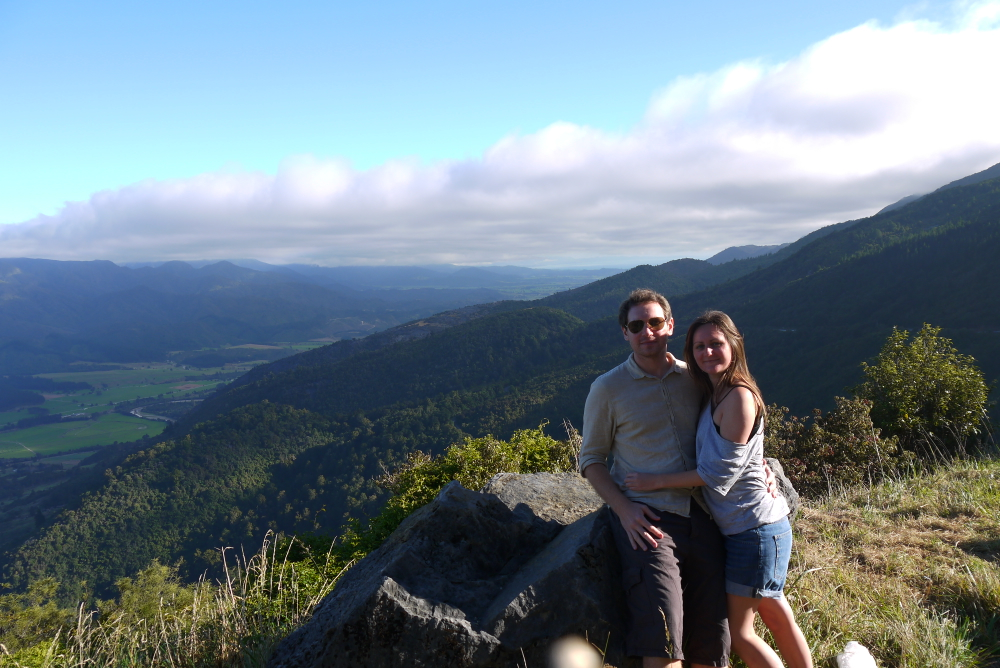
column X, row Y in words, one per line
column 785, row 487
column 478, row 579
column 563, row 497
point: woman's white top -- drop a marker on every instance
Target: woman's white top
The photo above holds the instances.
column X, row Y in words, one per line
column 735, row 489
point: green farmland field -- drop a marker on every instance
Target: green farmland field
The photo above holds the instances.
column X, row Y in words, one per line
column 51, row 438
column 141, row 381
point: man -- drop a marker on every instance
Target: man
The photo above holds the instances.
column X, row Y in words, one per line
column 644, row 413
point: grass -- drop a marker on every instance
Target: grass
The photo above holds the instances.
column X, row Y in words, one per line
column 127, row 385
column 159, row 622
column 144, row 381
column 909, row 568
column 305, row 345
column 62, row 436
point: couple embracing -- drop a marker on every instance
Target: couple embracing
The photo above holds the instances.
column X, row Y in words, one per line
column 704, row 542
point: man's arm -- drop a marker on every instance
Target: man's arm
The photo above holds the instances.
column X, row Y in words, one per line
column 634, row 516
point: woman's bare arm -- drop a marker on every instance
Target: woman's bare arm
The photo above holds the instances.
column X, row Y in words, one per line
column 736, row 415
column 649, row 481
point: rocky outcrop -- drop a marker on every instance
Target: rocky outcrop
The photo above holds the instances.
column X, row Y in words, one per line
column 475, row 579
column 478, row 579
column 785, row 488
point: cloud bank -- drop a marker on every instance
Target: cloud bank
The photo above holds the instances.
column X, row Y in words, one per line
column 753, row 153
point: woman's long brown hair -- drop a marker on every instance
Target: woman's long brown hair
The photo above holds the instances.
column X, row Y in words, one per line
column 737, row 374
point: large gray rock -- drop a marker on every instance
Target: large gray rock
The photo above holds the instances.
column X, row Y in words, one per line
column 480, row 579
column 785, row 487
column 476, row 579
column 563, row 497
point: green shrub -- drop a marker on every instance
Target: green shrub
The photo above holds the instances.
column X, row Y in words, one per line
column 926, row 393
column 472, row 463
column 155, row 591
column 29, row 616
column 157, row 621
column 842, row 446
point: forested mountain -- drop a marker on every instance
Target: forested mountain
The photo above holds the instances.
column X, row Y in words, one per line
column 295, row 446
column 55, row 313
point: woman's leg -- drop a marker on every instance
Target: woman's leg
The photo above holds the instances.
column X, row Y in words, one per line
column 780, row 621
column 752, row 649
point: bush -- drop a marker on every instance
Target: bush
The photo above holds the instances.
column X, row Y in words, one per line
column 472, row 463
column 159, row 622
column 29, row 616
column 842, row 446
column 155, row 591
column 926, row 393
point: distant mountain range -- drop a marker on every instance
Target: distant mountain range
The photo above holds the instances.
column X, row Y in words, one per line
column 742, row 253
column 54, row 314
column 293, row 445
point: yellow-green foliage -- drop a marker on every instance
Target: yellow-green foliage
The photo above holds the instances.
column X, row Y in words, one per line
column 907, row 567
column 153, row 592
column 925, row 392
column 472, row 463
column 158, row 621
column 840, row 447
column 26, row 617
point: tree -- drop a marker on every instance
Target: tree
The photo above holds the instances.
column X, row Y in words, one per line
column 926, row 393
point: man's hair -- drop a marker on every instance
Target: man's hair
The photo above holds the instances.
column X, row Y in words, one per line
column 642, row 296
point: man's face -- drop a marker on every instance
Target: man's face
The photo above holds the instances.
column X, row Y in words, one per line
column 647, row 342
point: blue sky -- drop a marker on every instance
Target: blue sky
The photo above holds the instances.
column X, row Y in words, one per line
column 98, row 97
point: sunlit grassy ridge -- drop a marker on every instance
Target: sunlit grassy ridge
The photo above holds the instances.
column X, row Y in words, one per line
column 908, row 567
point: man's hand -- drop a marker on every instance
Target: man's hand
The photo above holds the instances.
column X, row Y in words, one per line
column 635, row 520
column 640, row 482
column 634, row 517
column 770, row 481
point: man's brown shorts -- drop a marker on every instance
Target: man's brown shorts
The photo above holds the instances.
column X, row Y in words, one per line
column 677, row 590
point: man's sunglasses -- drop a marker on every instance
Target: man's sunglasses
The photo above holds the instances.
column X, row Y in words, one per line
column 654, row 324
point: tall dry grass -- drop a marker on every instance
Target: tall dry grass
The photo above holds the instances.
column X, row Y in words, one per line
column 909, row 567
column 234, row 622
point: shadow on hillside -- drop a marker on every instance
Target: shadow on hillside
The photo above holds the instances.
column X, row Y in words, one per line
column 988, row 550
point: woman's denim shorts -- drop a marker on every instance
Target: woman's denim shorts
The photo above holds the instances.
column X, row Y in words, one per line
column 757, row 560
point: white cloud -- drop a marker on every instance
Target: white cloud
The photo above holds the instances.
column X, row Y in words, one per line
column 753, row 153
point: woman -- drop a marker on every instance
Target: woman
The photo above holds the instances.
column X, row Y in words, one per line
column 755, row 525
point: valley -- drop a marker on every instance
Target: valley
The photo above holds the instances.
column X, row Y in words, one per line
column 295, row 445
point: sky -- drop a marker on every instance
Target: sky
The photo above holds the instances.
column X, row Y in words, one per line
column 541, row 134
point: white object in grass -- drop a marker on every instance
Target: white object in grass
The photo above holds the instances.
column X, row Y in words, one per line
column 855, row 655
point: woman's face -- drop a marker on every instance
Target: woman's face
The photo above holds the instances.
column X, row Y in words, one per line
column 711, row 350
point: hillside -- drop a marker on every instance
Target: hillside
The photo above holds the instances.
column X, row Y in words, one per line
column 55, row 313
column 812, row 312
column 812, row 318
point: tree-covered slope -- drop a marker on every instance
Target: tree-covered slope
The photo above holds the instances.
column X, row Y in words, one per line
column 870, row 236
column 55, row 313
column 807, row 337
column 601, row 298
